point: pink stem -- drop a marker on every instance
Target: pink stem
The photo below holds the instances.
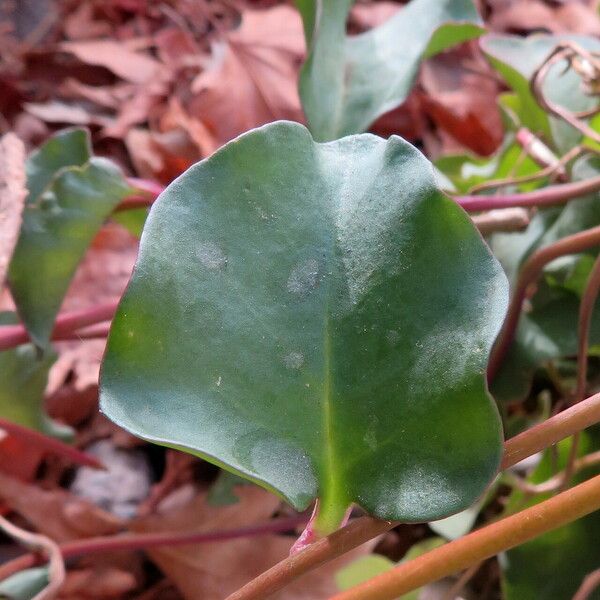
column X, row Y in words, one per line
column 49, row 444
column 548, row 196
column 66, row 323
column 146, row 193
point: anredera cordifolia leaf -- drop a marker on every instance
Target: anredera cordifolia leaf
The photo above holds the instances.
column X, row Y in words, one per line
column 316, row 318
column 347, row 82
column 70, row 197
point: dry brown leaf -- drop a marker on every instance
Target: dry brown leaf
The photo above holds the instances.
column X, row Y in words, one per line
column 96, row 583
column 80, row 24
column 117, row 57
column 56, row 513
column 252, row 77
column 56, row 111
column 213, row 571
column 105, row 96
column 367, row 16
column 462, row 102
column 12, row 197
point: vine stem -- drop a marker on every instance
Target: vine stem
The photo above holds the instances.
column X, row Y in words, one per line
column 146, row 193
column 361, row 530
column 547, row 196
column 37, row 543
column 479, row 545
column 49, row 444
column 529, row 273
column 131, row 541
column 66, row 323
column 588, row 586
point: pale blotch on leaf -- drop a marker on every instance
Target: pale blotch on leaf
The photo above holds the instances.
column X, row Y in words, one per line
column 294, row 360
column 304, row 277
column 211, row 256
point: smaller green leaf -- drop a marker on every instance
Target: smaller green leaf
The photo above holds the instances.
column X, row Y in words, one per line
column 58, row 226
column 68, row 148
column 24, row 585
column 516, row 59
column 362, row 569
column 24, row 375
column 222, row 491
column 347, row 82
column 552, row 566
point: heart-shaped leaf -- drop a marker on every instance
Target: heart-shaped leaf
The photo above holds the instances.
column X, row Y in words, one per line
column 317, row 318
column 347, row 82
column 70, row 196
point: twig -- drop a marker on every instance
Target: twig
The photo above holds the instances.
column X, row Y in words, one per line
column 460, row 583
column 49, row 444
column 565, row 51
column 481, row 544
column 40, row 543
column 548, row 196
column 529, row 273
column 66, row 323
column 588, row 585
column 526, row 444
column 504, row 219
column 132, row 541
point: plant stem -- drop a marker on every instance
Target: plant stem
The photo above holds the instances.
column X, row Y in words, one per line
column 147, row 190
column 132, row 541
column 49, row 444
column 529, row 273
column 548, row 196
column 481, row 544
column 552, row 430
column 37, row 543
column 66, row 323
column 588, row 586
column 361, row 530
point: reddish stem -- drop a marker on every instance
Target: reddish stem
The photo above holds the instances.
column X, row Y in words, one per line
column 132, row 541
column 529, row 273
column 66, row 323
column 146, row 193
column 548, row 196
column 49, row 444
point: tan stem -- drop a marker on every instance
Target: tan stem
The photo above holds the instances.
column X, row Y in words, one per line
column 481, row 544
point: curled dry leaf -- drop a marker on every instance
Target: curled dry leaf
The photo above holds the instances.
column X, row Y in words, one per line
column 251, row 79
column 12, row 197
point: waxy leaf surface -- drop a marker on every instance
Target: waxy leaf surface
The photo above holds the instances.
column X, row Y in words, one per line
column 70, row 197
column 347, row 82
column 317, row 318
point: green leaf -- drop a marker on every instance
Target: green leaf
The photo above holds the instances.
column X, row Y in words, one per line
column 362, row 569
column 24, row 585
column 24, row 375
column 347, row 82
column 549, row 330
column 316, row 318
column 133, row 220
column 516, row 59
column 68, row 148
column 222, row 491
column 552, row 566
column 59, row 224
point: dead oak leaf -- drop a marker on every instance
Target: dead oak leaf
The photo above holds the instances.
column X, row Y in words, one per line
column 252, row 76
column 12, row 197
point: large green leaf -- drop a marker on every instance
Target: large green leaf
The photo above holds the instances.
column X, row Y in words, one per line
column 516, row 59
column 552, row 566
column 317, row 318
column 68, row 202
column 24, row 585
column 347, row 82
